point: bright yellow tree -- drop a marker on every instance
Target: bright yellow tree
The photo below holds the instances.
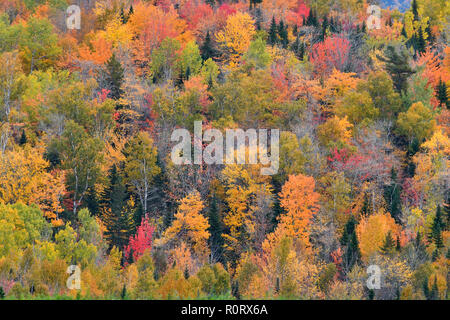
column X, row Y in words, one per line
column 236, row 36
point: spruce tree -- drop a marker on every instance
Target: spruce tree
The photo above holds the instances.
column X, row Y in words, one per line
column 436, row 229
column 117, row 217
column 130, row 12
column 415, row 10
column 420, row 42
column 273, row 37
column 434, row 293
column 324, row 28
column 442, row 95
column 207, row 51
column 23, row 138
column 392, row 197
column 352, row 253
column 283, row 35
column 388, row 244
column 215, row 228
column 397, row 65
column 114, row 77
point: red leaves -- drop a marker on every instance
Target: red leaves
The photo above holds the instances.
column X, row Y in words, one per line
column 331, row 54
column 299, row 15
column 141, row 241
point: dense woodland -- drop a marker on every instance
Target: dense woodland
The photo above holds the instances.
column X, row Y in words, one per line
column 86, row 177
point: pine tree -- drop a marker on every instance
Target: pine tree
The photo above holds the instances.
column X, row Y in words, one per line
column 114, row 77
column 434, row 293
column 415, row 10
column 366, row 208
column 388, row 244
column 123, row 18
column 273, row 37
column 123, row 294
column 130, row 12
column 207, row 51
column 426, row 290
column 295, row 30
column 352, row 253
column 397, row 65
column 442, row 95
column 436, row 229
column 420, row 42
column 283, row 35
column 2, row 293
column 186, row 273
column 23, row 138
column 325, row 26
column 398, row 246
column 431, row 38
column 392, row 197
column 215, row 228
column 117, row 217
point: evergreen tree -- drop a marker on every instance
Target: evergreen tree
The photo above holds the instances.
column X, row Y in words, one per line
column 117, row 216
column 388, row 244
column 123, row 294
column 2, row 293
column 415, row 10
column 325, row 26
column 366, row 208
column 398, row 246
column 215, row 228
column 442, row 95
column 352, row 253
column 283, row 35
column 392, row 197
column 23, row 138
column 426, row 290
column 312, row 19
column 434, row 293
column 295, row 30
column 431, row 38
column 420, row 42
column 186, row 273
column 123, row 19
column 130, row 12
column 397, row 65
column 114, row 77
column 436, row 229
column 211, row 2
column 273, row 37
column 92, row 201
column 207, row 51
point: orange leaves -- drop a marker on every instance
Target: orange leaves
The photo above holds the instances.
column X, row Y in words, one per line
column 151, row 25
column 99, row 51
column 301, row 203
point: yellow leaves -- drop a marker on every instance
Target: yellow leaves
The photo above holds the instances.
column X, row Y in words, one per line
column 236, row 36
column 372, row 230
column 190, row 225
column 439, row 143
column 335, row 130
column 244, row 187
column 23, row 178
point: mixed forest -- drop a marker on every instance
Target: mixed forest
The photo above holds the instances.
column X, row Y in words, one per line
column 86, row 177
